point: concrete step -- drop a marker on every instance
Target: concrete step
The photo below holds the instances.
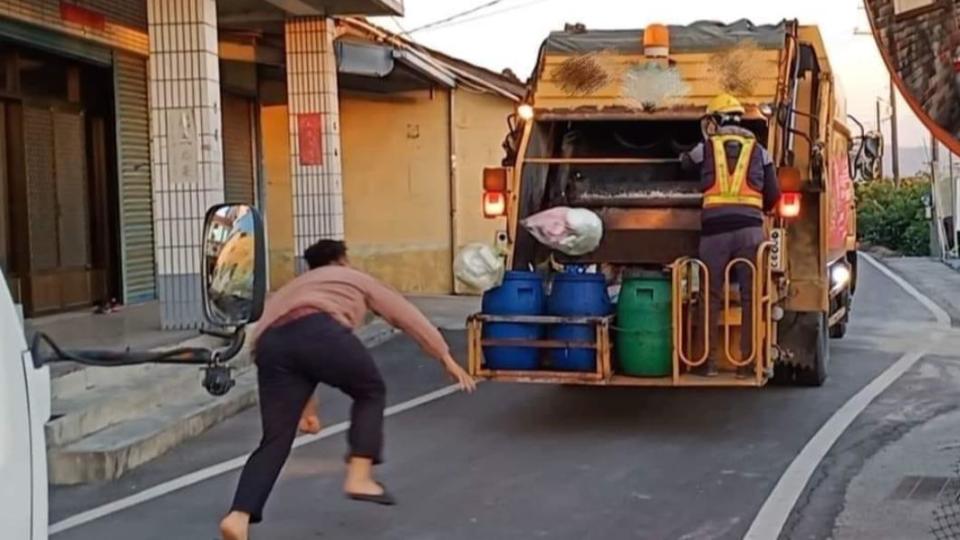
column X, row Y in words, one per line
column 110, row 452
column 94, row 398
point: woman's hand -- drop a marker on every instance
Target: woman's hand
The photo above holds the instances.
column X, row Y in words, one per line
column 462, row 378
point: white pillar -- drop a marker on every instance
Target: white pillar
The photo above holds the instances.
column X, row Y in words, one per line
column 314, row 131
column 185, row 127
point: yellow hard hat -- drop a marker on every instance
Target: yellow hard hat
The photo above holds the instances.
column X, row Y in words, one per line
column 725, row 104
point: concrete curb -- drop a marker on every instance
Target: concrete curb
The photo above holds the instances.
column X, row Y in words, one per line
column 923, row 282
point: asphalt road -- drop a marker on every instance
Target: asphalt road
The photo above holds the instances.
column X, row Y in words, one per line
column 519, row 462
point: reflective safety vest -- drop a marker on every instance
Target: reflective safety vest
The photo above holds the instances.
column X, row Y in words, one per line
column 732, row 189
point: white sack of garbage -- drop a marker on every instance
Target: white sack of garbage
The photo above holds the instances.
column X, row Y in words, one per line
column 571, row 231
column 479, row 266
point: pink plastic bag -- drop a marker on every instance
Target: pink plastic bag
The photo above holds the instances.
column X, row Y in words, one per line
column 572, row 231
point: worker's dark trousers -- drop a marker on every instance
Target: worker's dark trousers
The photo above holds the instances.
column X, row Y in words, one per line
column 291, row 359
column 716, row 251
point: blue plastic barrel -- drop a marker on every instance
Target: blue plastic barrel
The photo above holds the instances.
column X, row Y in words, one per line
column 520, row 294
column 577, row 295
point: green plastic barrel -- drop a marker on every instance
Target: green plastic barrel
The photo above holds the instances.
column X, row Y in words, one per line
column 645, row 328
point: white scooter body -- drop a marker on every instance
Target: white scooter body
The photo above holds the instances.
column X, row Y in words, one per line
column 24, row 409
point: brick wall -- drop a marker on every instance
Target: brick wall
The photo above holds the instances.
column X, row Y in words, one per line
column 126, row 20
column 921, row 47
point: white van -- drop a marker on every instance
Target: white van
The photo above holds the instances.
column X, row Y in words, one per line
column 24, row 409
column 25, row 381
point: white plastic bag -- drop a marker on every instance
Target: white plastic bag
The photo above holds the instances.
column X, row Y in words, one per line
column 479, row 266
column 572, row 231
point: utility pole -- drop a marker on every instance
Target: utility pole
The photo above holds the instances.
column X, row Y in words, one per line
column 934, row 157
column 879, row 124
column 880, row 131
column 938, row 240
column 894, row 142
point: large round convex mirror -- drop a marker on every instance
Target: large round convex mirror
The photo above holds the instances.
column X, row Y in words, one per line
column 920, row 43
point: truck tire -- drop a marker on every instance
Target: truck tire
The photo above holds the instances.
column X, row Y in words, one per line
column 807, row 338
column 839, row 330
column 854, row 260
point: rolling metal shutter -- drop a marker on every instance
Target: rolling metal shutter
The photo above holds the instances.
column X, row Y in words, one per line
column 41, row 190
column 136, row 191
column 239, row 176
column 73, row 190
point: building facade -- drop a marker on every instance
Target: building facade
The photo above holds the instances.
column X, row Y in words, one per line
column 122, row 121
column 418, row 128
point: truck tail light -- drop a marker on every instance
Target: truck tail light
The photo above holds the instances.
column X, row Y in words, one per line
column 494, row 204
column 496, row 184
column 790, row 205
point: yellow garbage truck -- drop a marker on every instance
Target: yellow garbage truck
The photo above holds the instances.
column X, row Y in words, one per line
column 607, row 116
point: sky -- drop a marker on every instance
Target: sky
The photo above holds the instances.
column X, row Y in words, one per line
column 508, row 35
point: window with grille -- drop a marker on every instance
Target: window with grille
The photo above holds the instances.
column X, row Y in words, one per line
column 906, row 6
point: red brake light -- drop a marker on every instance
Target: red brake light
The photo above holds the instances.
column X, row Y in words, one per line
column 496, row 178
column 790, row 205
column 494, row 204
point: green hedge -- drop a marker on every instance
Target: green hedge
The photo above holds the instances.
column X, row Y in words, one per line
column 894, row 217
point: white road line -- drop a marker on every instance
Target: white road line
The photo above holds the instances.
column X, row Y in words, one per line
column 220, row 468
column 769, row 522
column 940, row 314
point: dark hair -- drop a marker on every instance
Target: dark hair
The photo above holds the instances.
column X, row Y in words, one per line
column 324, row 253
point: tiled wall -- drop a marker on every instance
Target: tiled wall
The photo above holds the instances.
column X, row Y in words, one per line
column 184, row 79
column 126, row 25
column 312, row 89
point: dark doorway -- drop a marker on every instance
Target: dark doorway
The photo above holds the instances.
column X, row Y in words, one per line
column 59, row 163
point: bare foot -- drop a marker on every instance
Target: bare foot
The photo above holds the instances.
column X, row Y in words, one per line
column 235, row 526
column 362, row 487
column 310, row 424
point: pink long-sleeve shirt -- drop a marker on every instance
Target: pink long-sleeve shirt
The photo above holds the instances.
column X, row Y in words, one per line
column 346, row 295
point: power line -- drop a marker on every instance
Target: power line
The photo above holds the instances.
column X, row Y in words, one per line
column 487, row 15
column 456, row 16
column 396, row 21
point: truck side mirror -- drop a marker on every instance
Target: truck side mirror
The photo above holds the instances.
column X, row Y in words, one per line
column 234, row 265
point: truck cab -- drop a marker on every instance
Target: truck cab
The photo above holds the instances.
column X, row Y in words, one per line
column 234, row 290
column 24, row 409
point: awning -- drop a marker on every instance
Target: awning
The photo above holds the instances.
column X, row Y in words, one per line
column 55, row 42
column 339, row 7
column 379, row 68
column 259, row 15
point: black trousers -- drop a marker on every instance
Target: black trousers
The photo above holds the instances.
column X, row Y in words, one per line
column 291, row 360
column 716, row 251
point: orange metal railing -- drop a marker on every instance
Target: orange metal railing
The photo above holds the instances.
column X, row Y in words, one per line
column 691, row 287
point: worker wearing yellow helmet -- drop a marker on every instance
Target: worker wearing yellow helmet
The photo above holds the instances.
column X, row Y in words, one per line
column 739, row 184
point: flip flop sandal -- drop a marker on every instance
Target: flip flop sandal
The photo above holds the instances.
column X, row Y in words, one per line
column 384, row 499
